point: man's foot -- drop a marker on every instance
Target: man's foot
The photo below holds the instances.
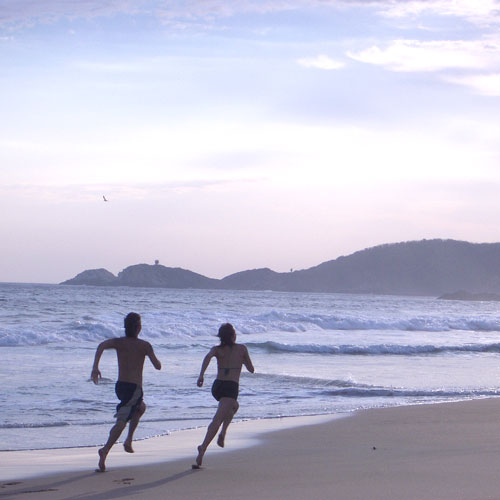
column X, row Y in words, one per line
column 220, row 440
column 102, row 461
column 127, row 446
column 199, row 458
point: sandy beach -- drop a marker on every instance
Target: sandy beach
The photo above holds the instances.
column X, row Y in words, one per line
column 440, row 451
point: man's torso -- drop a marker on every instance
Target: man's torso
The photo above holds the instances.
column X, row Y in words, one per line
column 131, row 354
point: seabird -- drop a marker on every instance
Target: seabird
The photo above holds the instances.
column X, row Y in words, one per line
column 104, row 198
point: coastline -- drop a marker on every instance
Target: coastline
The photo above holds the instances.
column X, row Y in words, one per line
column 438, row 451
column 177, row 445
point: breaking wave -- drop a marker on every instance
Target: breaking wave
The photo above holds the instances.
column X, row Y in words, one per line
column 374, row 350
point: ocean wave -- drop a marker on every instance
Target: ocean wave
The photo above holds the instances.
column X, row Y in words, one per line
column 297, row 322
column 376, row 392
column 349, row 388
column 76, row 331
column 180, row 329
column 33, row 425
column 300, row 381
column 43, row 425
column 373, row 350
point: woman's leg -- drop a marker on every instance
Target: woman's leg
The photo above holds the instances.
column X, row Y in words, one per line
column 226, row 422
column 224, row 412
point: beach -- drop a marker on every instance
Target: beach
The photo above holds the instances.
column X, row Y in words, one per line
column 436, row 451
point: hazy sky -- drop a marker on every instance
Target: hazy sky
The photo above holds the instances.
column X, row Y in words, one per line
column 232, row 135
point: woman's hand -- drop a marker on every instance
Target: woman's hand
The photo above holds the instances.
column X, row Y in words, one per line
column 95, row 375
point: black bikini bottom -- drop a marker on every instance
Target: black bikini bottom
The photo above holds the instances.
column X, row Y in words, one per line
column 224, row 389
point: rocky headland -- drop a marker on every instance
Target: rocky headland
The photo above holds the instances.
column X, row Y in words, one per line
column 427, row 267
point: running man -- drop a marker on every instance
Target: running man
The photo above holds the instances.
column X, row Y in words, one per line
column 230, row 359
column 131, row 353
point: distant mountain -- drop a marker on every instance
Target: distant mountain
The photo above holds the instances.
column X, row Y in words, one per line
column 161, row 276
column 144, row 275
column 427, row 267
column 97, row 277
column 463, row 295
column 256, row 279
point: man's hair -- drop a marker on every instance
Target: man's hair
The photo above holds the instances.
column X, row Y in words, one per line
column 132, row 320
column 226, row 334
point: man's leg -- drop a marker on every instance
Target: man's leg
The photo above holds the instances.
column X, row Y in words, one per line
column 226, row 422
column 114, row 434
column 224, row 411
column 132, row 426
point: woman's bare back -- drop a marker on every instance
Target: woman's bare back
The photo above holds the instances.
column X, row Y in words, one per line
column 230, row 360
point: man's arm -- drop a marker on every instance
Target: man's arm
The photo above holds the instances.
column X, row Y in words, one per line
column 95, row 375
column 247, row 361
column 204, row 366
column 152, row 356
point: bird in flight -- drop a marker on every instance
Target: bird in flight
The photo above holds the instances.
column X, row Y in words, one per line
column 104, row 198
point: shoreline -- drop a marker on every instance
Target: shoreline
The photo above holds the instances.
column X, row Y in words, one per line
column 236, row 421
column 176, row 445
column 261, row 426
column 444, row 451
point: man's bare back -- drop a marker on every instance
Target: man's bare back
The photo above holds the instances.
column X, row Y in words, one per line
column 131, row 353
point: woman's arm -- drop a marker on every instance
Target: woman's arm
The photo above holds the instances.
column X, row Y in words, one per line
column 204, row 365
column 247, row 361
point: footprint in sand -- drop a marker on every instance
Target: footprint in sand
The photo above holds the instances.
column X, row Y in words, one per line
column 125, row 480
column 13, row 483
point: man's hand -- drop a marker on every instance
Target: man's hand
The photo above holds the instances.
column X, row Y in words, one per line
column 95, row 375
column 199, row 383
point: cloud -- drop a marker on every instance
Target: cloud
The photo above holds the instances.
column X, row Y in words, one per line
column 488, row 85
column 200, row 13
column 476, row 11
column 414, row 55
column 183, row 12
column 28, row 12
column 321, row 61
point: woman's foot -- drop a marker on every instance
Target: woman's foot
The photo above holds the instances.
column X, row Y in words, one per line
column 127, row 446
column 199, row 458
column 102, row 461
column 220, row 440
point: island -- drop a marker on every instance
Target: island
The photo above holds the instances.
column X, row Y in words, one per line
column 448, row 269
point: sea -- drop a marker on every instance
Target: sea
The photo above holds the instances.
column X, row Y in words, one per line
column 314, row 353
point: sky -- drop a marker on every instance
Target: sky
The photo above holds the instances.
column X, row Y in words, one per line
column 237, row 135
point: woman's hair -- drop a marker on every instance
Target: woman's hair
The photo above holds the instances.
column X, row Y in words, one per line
column 227, row 334
column 131, row 322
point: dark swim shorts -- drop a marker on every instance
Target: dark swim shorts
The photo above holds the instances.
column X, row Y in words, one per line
column 130, row 396
column 224, row 389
